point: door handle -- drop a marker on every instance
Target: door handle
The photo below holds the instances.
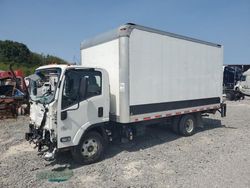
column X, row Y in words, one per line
column 100, row 112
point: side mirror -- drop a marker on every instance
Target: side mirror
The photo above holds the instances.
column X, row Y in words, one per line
column 34, row 91
column 33, row 87
column 63, row 115
column 83, row 87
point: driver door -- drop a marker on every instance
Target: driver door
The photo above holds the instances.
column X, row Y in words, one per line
column 80, row 105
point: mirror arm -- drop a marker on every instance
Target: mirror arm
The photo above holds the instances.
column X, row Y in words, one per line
column 64, row 113
column 72, row 109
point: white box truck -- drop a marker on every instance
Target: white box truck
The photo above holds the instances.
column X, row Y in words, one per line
column 130, row 77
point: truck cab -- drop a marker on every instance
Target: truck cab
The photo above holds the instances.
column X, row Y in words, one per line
column 65, row 102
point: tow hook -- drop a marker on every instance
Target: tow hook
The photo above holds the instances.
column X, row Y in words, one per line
column 48, row 156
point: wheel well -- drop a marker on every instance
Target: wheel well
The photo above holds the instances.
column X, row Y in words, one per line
column 99, row 128
column 95, row 129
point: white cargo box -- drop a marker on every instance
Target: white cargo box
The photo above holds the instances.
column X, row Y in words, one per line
column 154, row 73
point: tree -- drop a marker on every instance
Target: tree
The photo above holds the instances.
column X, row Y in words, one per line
column 14, row 51
column 24, row 59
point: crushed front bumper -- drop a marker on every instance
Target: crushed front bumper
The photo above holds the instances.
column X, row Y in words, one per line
column 41, row 138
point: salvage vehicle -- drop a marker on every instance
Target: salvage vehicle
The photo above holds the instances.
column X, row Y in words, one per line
column 130, row 77
column 232, row 75
column 243, row 85
column 14, row 98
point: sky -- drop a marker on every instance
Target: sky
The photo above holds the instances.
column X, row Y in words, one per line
column 57, row 27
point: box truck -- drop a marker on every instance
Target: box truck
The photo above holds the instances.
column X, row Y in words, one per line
column 130, row 77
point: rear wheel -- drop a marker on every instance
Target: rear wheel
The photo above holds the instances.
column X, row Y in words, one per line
column 187, row 125
column 90, row 148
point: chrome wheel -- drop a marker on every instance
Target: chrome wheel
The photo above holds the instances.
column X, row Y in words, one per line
column 189, row 125
column 89, row 148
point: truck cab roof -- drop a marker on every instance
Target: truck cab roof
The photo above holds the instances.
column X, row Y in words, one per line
column 65, row 67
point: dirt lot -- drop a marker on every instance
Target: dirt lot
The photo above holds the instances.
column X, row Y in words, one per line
column 217, row 156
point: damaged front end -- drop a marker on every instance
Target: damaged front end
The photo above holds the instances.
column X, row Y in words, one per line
column 44, row 140
column 43, row 105
column 13, row 94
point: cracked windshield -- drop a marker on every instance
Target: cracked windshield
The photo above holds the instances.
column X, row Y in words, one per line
column 43, row 85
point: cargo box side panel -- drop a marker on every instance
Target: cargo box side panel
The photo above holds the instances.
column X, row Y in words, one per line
column 166, row 69
column 106, row 56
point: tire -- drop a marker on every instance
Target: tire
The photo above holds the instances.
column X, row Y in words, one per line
column 175, row 125
column 230, row 96
column 187, row 125
column 90, row 148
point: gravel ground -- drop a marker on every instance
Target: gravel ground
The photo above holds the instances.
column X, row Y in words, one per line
column 216, row 156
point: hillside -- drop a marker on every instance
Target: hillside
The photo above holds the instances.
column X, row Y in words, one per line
column 23, row 57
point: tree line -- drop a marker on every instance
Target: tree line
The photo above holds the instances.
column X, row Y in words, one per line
column 23, row 58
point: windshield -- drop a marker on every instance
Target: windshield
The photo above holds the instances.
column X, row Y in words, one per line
column 43, row 84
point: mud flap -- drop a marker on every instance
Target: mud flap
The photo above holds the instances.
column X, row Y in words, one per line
column 199, row 121
column 223, row 110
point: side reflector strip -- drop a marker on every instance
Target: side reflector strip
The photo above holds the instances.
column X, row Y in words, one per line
column 158, row 116
column 178, row 113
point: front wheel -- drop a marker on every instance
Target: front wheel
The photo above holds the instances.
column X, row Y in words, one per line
column 90, row 148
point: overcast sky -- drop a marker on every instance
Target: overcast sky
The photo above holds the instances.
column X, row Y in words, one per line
column 58, row 27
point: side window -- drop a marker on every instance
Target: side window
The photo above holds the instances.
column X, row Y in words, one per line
column 94, row 84
column 74, row 86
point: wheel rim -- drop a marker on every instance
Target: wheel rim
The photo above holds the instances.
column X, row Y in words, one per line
column 89, row 148
column 189, row 125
